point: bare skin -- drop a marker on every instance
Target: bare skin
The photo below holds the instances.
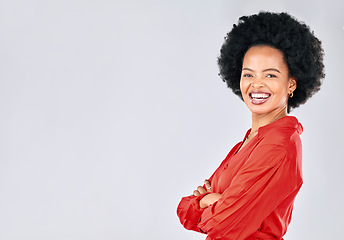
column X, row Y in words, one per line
column 209, row 198
column 265, row 71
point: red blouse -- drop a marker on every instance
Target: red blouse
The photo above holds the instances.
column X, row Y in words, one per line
column 258, row 186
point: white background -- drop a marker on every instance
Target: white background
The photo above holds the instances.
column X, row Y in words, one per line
column 111, row 111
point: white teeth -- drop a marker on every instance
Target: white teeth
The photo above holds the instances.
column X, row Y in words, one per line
column 260, row 95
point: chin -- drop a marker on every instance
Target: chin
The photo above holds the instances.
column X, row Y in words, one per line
column 260, row 109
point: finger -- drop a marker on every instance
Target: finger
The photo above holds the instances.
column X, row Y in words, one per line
column 207, row 185
column 201, row 190
column 196, row 193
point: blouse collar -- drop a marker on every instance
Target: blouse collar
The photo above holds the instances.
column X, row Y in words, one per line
column 287, row 122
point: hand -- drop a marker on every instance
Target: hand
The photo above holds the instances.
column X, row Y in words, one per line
column 200, row 190
column 209, row 198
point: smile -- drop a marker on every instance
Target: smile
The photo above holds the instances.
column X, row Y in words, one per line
column 259, row 97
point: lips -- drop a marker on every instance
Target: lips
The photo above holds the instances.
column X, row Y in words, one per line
column 259, row 97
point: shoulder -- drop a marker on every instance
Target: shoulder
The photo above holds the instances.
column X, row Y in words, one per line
column 283, row 133
column 279, row 140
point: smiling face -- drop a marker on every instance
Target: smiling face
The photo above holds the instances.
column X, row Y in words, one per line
column 265, row 83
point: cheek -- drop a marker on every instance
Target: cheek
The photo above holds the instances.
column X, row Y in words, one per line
column 281, row 91
column 244, row 86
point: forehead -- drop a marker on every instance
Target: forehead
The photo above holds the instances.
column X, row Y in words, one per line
column 264, row 57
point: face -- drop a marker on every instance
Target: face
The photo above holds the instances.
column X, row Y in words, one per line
column 265, row 83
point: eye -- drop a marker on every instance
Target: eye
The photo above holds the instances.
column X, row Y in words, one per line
column 271, row 76
column 247, row 75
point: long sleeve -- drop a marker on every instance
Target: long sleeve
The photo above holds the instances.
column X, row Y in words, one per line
column 270, row 176
column 189, row 211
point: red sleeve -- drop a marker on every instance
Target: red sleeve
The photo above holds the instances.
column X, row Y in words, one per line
column 189, row 211
column 266, row 179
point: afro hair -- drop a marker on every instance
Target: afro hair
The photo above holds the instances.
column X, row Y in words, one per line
column 302, row 51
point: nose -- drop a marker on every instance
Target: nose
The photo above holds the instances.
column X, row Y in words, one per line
column 257, row 82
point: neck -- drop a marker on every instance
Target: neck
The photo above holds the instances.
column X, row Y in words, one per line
column 260, row 120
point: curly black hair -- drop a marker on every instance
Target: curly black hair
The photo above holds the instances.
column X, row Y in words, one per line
column 302, row 51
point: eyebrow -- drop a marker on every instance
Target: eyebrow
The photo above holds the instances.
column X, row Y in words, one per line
column 265, row 70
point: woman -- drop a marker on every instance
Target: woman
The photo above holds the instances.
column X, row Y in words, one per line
column 274, row 63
